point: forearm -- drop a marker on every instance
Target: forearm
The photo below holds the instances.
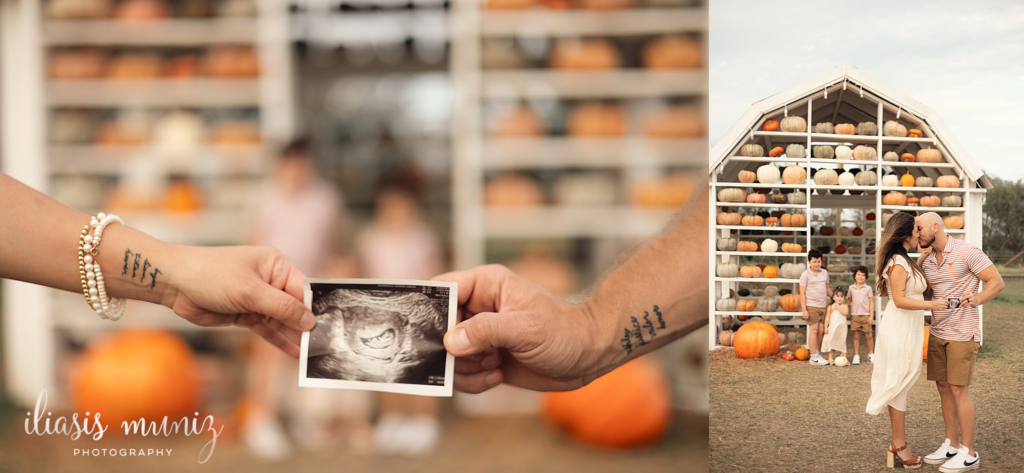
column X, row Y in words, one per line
column 39, row 240
column 658, row 295
column 991, row 290
column 907, row 303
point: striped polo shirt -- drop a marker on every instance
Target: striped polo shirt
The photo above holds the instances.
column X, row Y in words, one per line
column 961, row 263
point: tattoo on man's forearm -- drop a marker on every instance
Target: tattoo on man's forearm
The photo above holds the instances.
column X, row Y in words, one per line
column 146, row 265
column 127, row 254
column 636, row 334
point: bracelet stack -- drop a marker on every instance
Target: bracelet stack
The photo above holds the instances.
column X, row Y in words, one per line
column 93, row 287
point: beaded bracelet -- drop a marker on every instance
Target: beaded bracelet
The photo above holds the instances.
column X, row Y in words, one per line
column 93, row 286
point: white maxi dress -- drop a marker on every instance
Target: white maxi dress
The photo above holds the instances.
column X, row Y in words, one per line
column 897, row 347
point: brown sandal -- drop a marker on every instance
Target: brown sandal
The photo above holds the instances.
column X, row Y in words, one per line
column 893, row 454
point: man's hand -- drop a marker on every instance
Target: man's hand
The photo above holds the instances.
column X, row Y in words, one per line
column 969, row 299
column 247, row 286
column 512, row 331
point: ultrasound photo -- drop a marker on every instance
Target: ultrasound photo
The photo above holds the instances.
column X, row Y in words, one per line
column 379, row 335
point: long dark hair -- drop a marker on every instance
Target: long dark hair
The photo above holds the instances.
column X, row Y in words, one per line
column 897, row 230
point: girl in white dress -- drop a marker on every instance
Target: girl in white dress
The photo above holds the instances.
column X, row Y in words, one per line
column 835, row 325
column 900, row 332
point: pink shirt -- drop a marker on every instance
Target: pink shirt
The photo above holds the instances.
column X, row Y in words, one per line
column 817, row 287
column 961, row 263
column 300, row 225
column 412, row 252
column 860, row 299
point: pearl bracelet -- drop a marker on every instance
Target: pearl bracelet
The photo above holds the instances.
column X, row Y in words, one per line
column 93, row 287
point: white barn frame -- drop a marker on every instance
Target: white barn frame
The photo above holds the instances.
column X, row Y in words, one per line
column 848, row 96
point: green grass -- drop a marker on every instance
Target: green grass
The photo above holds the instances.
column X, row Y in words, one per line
column 774, row 415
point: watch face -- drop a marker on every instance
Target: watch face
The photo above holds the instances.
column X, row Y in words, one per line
column 954, row 302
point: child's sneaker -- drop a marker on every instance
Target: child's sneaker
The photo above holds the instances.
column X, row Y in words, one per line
column 871, row 357
column 856, row 359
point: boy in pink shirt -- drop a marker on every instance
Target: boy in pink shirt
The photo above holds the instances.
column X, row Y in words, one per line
column 814, row 294
column 862, row 312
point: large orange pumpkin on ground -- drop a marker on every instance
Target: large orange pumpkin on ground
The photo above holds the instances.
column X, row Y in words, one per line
column 132, row 374
column 756, row 340
column 628, row 407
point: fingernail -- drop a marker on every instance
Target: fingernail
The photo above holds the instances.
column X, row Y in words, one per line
column 490, row 361
column 492, row 379
column 308, row 321
column 459, row 340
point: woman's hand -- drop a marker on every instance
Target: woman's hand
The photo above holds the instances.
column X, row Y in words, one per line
column 247, row 286
column 938, row 304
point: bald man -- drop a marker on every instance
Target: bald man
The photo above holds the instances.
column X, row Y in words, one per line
column 954, row 269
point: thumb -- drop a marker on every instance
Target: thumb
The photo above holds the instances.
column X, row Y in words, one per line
column 280, row 305
column 480, row 332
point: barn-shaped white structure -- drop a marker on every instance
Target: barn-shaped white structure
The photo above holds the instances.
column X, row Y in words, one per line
column 823, row 165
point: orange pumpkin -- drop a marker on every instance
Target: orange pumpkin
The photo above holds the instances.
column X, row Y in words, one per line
column 128, row 374
column 750, row 271
column 912, row 201
column 776, row 152
column 771, row 125
column 794, row 220
column 907, row 180
column 930, row 201
column 756, row 340
column 770, row 272
column 802, row 354
column 747, row 177
column 953, row 222
column 628, row 407
column 790, row 303
column 755, row 198
column 948, row 181
column 894, row 198
column 183, row 197
column 914, row 132
column 752, row 221
column 728, row 218
column 745, row 305
column 924, row 354
column 908, row 157
column 746, row 245
column 792, row 248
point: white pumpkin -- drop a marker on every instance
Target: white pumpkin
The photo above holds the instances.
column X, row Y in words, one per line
column 842, row 361
column 725, row 304
column 846, row 179
column 826, row 177
column 796, row 150
column 867, row 178
column 768, row 174
column 727, row 244
column 792, row 270
column 891, row 181
column 797, row 198
column 727, row 270
column 890, row 156
column 769, row 246
column 952, row 200
column 924, row 181
column 844, row 152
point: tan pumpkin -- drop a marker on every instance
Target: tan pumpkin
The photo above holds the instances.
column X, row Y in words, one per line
column 953, row 222
column 929, row 155
column 726, row 244
column 750, row 271
column 793, row 124
column 824, row 127
column 796, row 151
column 924, row 181
column 907, row 180
column 725, row 338
column 794, row 220
column 752, row 221
column 725, row 304
column 756, row 198
column 747, row 177
column 728, row 218
column 727, row 270
column 867, row 128
column 846, row 129
column 823, row 152
column 864, row 153
column 752, row 150
column 894, row 198
column 866, row 178
column 826, row 177
column 952, row 200
column 768, row 174
column 794, row 174
column 891, row 156
column 948, row 181
column 894, row 128
column 930, row 201
column 732, row 194
column 796, row 197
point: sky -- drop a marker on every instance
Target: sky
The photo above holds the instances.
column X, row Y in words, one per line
column 965, row 60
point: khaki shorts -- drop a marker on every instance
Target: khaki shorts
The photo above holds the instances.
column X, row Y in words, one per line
column 859, row 323
column 815, row 315
column 951, row 361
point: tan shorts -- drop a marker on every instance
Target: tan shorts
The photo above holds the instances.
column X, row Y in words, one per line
column 859, row 323
column 815, row 315
column 951, row 361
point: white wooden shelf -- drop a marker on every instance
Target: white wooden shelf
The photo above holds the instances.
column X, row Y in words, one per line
column 844, row 162
column 572, row 23
column 923, row 209
column 563, row 152
column 574, row 221
column 907, row 139
column 167, row 32
column 758, row 185
column 922, row 189
column 757, row 313
column 782, row 135
column 902, row 164
column 761, row 206
column 617, row 83
column 817, row 138
column 154, row 92
column 203, row 227
column 759, row 253
column 770, row 229
column 767, row 159
column 71, row 313
column 738, row 279
column 209, row 161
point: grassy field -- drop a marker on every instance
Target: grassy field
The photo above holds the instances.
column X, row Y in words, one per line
column 775, row 415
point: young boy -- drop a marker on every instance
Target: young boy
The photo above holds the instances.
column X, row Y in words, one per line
column 814, row 294
column 862, row 307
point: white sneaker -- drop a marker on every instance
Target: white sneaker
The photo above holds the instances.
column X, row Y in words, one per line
column 419, row 435
column 820, row 361
column 387, row 433
column 962, row 461
column 266, row 441
column 871, row 357
column 856, row 359
column 940, row 455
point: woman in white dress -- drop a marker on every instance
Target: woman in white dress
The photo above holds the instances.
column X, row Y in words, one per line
column 900, row 332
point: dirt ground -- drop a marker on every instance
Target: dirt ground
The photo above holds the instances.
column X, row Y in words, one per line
column 776, row 415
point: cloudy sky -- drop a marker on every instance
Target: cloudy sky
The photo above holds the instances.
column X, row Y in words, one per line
column 965, row 60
